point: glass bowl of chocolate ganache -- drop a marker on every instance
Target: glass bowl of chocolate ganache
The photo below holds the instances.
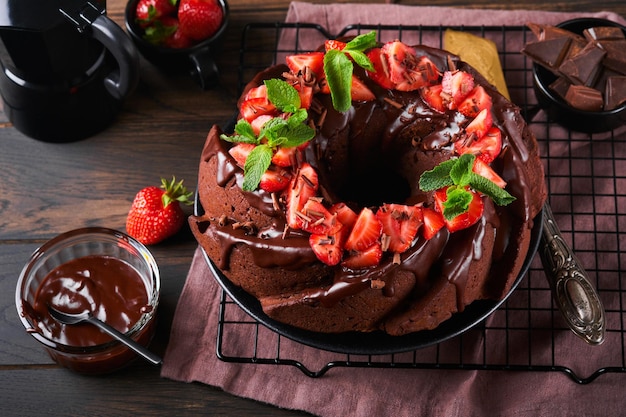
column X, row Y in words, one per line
column 99, row 270
column 579, row 73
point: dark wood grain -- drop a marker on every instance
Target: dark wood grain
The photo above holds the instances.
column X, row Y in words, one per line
column 46, row 189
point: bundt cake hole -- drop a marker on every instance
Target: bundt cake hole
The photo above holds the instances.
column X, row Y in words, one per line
column 374, row 187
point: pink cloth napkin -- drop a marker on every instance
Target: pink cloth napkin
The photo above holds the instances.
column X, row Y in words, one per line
column 191, row 353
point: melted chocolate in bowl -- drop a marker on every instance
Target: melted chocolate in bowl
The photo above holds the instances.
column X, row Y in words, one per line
column 95, row 269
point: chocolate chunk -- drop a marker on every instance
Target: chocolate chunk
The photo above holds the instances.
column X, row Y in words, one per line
column 584, row 98
column 615, row 58
column 615, row 93
column 575, row 47
column 603, row 33
column 584, row 67
column 548, row 53
column 547, row 32
column 560, row 86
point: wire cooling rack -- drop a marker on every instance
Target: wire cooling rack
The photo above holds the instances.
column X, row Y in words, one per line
column 586, row 179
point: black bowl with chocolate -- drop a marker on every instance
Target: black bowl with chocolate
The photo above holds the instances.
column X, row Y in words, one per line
column 579, row 73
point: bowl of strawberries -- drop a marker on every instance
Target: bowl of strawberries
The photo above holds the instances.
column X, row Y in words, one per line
column 179, row 36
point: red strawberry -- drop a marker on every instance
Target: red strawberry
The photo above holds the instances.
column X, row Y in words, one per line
column 317, row 218
column 486, row 148
column 381, row 73
column 365, row 232
column 257, row 92
column 432, row 96
column 484, row 170
column 345, row 215
column 253, row 107
column 433, row 222
column 302, row 187
column 419, row 74
column 480, row 125
column 258, row 122
column 406, row 70
column 199, row 19
column 148, row 11
column 306, row 95
column 240, row 152
column 334, row 44
column 156, row 214
column 284, row 157
column 456, row 86
column 274, row 181
column 177, row 39
column 360, row 92
column 313, row 60
column 364, row 259
column 476, row 100
column 400, row 224
column 327, row 248
column 465, row 220
column 400, row 57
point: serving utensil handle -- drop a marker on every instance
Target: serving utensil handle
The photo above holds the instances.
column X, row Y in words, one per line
column 572, row 291
column 139, row 349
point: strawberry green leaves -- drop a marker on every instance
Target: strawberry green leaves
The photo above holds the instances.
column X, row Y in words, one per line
column 288, row 131
column 338, row 68
column 457, row 174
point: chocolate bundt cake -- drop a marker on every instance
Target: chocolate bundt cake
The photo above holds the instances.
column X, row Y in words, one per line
column 370, row 187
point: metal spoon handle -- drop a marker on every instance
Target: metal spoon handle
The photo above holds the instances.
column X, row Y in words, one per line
column 111, row 331
column 572, row 291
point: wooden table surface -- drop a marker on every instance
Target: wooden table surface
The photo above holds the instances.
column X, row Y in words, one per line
column 46, row 189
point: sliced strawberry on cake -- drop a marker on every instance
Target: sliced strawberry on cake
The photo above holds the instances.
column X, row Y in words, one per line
column 400, row 224
column 366, row 231
column 366, row 258
column 465, row 219
column 433, row 222
column 476, row 100
column 302, row 187
column 328, row 248
column 456, row 86
column 317, row 219
column 487, row 148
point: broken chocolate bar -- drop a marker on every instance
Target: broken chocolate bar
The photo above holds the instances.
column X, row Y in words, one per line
column 548, row 53
column 603, row 33
column 584, row 67
column 615, row 93
column 584, row 98
column 615, row 58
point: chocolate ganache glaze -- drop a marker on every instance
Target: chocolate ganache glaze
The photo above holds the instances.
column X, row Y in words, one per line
column 107, row 287
column 373, row 154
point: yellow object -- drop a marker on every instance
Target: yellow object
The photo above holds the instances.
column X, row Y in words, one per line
column 480, row 53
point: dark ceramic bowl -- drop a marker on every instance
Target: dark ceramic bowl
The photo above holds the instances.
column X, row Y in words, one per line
column 198, row 60
column 561, row 112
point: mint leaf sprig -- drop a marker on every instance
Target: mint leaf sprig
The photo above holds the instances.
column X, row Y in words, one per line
column 288, row 132
column 338, row 68
column 457, row 174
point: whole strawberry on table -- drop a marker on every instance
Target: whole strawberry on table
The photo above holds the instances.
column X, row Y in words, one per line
column 156, row 213
column 178, row 23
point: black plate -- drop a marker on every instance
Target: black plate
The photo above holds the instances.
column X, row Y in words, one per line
column 374, row 343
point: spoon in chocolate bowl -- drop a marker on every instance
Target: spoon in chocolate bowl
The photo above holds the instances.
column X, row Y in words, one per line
column 87, row 317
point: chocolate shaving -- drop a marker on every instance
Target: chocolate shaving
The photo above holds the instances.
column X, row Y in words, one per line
column 377, row 284
column 396, row 258
column 393, row 103
column 275, row 202
column 248, row 226
column 385, row 240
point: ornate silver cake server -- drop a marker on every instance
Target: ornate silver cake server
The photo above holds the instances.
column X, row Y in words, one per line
column 572, row 291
